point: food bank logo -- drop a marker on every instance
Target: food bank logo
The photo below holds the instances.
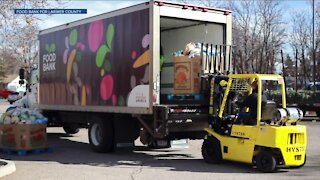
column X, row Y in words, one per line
column 49, row 59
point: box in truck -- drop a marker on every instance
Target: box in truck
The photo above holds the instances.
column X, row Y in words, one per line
column 186, row 75
column 105, row 71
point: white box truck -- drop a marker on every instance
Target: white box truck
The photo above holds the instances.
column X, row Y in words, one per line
column 104, row 73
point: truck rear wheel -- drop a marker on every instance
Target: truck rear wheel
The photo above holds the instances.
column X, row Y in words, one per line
column 101, row 136
column 266, row 162
column 211, row 151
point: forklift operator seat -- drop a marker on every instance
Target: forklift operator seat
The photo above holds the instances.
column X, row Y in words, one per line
column 267, row 110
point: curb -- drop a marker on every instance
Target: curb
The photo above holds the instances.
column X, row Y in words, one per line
column 6, row 169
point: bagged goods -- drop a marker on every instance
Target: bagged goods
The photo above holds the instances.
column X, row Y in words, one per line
column 22, row 129
column 22, row 116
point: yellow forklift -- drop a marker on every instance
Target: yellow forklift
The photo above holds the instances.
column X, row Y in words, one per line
column 269, row 141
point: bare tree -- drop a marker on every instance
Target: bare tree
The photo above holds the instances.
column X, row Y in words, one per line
column 317, row 38
column 18, row 32
column 272, row 33
column 212, row 3
column 245, row 32
column 258, row 32
column 301, row 41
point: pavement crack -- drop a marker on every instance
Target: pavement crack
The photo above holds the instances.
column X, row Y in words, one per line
column 136, row 171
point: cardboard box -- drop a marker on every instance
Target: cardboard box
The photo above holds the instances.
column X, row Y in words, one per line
column 186, row 75
column 23, row 136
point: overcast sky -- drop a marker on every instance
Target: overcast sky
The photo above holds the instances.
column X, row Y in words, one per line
column 98, row 7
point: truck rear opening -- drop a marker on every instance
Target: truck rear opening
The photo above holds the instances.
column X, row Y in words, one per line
column 175, row 34
column 188, row 105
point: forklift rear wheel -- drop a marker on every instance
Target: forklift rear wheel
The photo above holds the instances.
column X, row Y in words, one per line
column 266, row 162
column 101, row 136
column 211, row 151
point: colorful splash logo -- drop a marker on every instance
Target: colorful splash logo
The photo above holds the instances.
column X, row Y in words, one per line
column 72, row 57
column 102, row 61
column 49, row 59
column 139, row 95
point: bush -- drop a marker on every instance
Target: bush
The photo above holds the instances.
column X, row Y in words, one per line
column 301, row 97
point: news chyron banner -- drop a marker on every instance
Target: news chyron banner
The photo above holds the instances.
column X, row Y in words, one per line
column 50, row 11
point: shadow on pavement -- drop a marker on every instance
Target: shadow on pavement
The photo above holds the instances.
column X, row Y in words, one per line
column 67, row 151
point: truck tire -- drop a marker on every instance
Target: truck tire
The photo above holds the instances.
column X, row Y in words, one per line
column 266, row 162
column 101, row 136
column 71, row 129
column 211, row 151
column 318, row 113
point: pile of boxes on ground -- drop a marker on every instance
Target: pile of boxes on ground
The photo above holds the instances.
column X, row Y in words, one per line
column 22, row 129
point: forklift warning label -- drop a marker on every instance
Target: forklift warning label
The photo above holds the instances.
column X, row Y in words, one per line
column 49, row 62
column 238, row 134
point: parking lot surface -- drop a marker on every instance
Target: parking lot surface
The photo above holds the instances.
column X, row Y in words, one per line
column 72, row 158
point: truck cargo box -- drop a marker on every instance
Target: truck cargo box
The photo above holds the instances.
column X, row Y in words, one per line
column 111, row 62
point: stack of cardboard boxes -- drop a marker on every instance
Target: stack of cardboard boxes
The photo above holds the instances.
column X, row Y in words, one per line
column 23, row 136
column 186, row 75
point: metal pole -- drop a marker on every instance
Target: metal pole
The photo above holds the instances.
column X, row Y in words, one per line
column 230, row 65
column 296, row 88
column 283, row 71
column 313, row 50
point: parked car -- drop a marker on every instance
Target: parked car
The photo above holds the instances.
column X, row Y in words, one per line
column 310, row 86
column 5, row 93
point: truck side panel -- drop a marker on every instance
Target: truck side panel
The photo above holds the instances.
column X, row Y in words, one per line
column 104, row 63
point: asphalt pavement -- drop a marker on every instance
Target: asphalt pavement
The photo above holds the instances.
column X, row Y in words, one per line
column 72, row 158
column 6, row 167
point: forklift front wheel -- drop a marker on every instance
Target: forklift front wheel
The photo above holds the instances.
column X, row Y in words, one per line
column 266, row 162
column 211, row 151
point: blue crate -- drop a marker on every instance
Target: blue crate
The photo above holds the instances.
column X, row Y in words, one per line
column 25, row 152
column 183, row 97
